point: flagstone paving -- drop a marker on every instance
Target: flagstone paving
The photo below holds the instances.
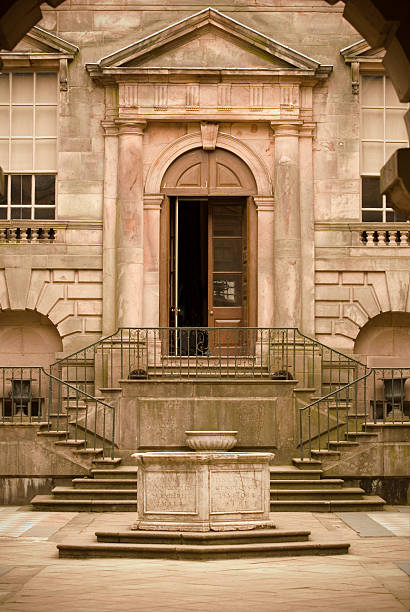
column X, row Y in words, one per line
column 372, row 577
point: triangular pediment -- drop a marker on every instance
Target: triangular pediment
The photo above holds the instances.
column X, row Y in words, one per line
column 361, row 50
column 210, row 39
column 209, row 48
column 39, row 41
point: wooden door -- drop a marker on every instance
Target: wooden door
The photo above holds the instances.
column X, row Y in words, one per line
column 227, row 274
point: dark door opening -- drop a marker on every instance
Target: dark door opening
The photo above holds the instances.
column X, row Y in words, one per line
column 207, row 273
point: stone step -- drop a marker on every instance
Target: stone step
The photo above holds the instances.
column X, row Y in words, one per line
column 325, row 453
column 325, row 494
column 306, row 484
column 293, row 473
column 82, row 549
column 94, row 494
column 203, row 538
column 361, row 436
column 71, row 443
column 106, row 461
column 122, row 471
column 368, row 503
column 306, row 464
column 104, row 483
column 50, row 504
column 50, row 433
column 89, row 452
column 341, row 444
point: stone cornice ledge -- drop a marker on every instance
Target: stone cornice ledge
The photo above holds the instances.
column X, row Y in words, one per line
column 55, row 224
column 355, row 226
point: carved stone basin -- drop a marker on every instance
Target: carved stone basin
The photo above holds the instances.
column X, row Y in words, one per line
column 211, row 441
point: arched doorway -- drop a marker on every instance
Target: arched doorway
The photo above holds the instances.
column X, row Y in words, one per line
column 208, row 229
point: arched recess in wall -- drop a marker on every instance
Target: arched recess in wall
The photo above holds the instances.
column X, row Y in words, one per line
column 27, row 338
column 385, row 340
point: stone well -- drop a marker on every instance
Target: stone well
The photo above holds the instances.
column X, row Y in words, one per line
column 203, row 490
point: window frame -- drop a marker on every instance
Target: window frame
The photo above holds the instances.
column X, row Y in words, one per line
column 34, row 104
column 384, row 209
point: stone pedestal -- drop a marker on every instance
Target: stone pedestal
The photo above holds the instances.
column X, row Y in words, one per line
column 203, row 491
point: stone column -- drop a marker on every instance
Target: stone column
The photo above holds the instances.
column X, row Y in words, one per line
column 307, row 222
column 152, row 211
column 287, row 250
column 130, row 224
column 109, row 216
column 265, row 212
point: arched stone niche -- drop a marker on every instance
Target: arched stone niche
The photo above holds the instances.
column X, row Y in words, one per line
column 385, row 340
column 27, row 338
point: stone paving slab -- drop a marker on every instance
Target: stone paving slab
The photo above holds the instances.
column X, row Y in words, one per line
column 364, row 524
column 369, row 579
column 399, row 524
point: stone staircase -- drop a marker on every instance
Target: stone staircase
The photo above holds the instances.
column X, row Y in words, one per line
column 294, row 488
column 301, row 488
column 108, row 489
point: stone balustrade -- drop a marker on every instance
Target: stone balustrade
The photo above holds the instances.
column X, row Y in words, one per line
column 27, row 232
column 359, row 234
column 57, row 231
column 385, row 237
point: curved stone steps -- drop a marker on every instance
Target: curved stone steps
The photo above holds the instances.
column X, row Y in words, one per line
column 203, row 538
column 201, row 551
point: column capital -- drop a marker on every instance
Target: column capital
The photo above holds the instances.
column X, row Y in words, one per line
column 131, row 126
column 306, row 130
column 285, row 128
column 109, row 127
column 153, row 201
column 264, row 203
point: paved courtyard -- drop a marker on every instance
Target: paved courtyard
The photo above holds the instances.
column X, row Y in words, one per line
column 372, row 577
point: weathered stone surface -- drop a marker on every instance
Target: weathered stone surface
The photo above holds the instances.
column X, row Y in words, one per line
column 200, row 491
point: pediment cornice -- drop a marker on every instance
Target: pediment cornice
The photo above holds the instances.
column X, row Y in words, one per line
column 153, row 55
column 362, row 52
column 38, row 47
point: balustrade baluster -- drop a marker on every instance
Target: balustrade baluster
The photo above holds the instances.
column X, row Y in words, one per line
column 404, row 239
column 382, row 237
column 371, row 238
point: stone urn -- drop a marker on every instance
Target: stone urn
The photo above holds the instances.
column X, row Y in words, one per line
column 211, row 441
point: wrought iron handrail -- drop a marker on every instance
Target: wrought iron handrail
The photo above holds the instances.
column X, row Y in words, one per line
column 30, row 394
column 252, row 352
column 229, row 353
column 189, row 349
column 362, row 395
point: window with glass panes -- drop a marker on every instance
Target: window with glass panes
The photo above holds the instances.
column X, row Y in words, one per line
column 28, row 144
column 382, row 131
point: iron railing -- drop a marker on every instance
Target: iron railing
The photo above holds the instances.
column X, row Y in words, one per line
column 376, row 395
column 192, row 352
column 342, row 394
column 32, row 395
column 23, row 394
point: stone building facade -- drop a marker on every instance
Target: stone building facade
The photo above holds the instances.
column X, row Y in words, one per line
column 116, row 116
